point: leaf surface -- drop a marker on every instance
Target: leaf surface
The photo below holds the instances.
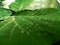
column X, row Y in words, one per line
column 5, row 12
column 19, row 5
column 28, row 29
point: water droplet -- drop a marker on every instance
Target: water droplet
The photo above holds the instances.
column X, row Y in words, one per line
column 28, row 33
column 29, row 30
column 35, row 19
column 22, row 31
column 45, row 18
column 39, row 18
column 13, row 18
column 31, row 23
column 46, row 22
column 37, row 24
column 39, row 34
column 37, row 29
column 23, row 19
column 53, row 19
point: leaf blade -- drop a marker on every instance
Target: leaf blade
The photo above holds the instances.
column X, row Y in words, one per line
column 30, row 30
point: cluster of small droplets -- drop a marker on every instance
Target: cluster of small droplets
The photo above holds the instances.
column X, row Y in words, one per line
column 34, row 23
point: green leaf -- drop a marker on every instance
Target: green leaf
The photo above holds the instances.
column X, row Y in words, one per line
column 19, row 5
column 52, row 4
column 5, row 12
column 46, row 11
column 29, row 28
